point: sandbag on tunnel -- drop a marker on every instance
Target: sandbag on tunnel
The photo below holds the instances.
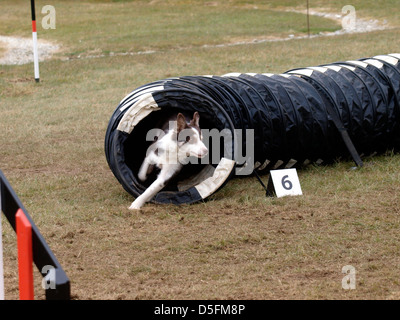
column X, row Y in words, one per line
column 342, row 109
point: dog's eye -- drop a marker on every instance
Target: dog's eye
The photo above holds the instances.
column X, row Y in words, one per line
column 187, row 139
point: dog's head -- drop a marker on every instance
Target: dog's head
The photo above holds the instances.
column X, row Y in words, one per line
column 190, row 142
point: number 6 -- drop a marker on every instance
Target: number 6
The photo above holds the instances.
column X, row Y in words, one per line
column 286, row 183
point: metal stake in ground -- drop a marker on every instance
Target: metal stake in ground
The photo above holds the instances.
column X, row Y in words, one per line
column 1, row 255
column 35, row 47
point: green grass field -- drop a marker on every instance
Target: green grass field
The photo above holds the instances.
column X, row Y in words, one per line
column 237, row 245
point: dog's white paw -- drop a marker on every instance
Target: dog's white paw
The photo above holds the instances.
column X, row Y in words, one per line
column 142, row 176
column 135, row 206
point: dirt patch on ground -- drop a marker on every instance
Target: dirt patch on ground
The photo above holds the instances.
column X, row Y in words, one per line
column 360, row 25
column 18, row 50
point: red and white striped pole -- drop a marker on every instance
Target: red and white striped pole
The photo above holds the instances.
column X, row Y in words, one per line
column 35, row 47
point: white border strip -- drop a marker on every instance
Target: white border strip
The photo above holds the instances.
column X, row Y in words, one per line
column 221, row 173
column 392, row 60
column 137, row 112
column 305, row 72
column 133, row 96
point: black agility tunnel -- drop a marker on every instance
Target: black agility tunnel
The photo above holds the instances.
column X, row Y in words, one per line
column 343, row 109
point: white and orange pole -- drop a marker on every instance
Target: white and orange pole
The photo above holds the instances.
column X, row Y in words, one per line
column 35, row 47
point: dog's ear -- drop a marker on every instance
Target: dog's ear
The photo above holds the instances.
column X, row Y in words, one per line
column 181, row 122
column 196, row 119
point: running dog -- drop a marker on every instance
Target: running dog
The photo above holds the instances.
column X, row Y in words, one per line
column 178, row 140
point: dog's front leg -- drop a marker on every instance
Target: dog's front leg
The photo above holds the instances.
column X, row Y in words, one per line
column 145, row 169
column 150, row 192
column 167, row 172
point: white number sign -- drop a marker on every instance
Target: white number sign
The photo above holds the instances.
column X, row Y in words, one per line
column 285, row 182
